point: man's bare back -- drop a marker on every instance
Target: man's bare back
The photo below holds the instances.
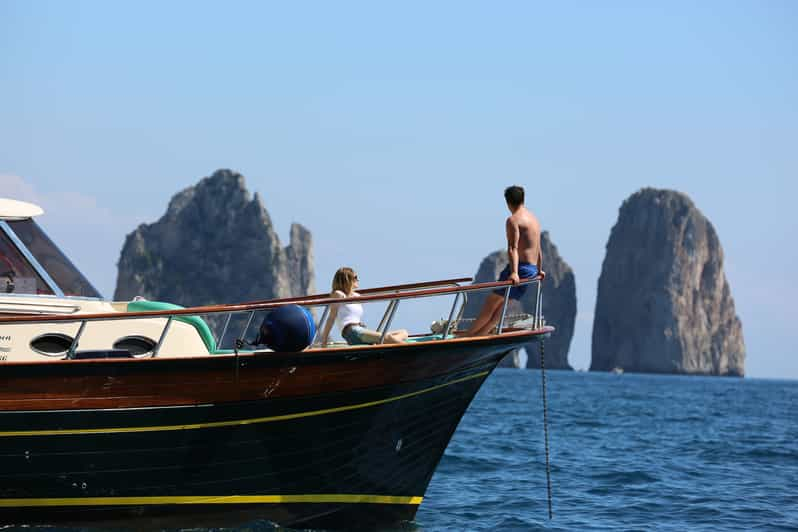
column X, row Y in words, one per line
column 523, row 234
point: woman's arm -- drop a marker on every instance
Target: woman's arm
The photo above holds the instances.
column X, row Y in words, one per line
column 325, row 333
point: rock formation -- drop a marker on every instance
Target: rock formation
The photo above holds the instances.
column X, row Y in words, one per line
column 663, row 304
column 215, row 244
column 559, row 303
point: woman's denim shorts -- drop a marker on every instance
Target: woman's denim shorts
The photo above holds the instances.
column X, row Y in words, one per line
column 353, row 334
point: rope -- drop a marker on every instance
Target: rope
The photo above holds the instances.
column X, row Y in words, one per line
column 545, row 421
column 510, row 319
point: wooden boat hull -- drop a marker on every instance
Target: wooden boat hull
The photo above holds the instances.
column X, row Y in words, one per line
column 318, row 439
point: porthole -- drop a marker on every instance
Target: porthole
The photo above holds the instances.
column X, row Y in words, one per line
column 51, row 344
column 135, row 345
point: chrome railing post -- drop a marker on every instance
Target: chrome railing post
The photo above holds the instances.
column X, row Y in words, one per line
column 390, row 319
column 451, row 316
column 224, row 329
column 162, row 338
column 246, row 327
column 462, row 306
column 500, row 326
column 74, row 346
column 538, row 304
column 321, row 323
column 388, row 310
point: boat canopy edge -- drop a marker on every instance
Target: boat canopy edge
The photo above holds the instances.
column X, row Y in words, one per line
column 18, row 210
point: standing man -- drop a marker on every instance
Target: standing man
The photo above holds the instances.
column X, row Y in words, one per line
column 523, row 250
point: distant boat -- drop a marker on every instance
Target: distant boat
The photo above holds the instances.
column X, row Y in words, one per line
column 617, row 371
column 129, row 413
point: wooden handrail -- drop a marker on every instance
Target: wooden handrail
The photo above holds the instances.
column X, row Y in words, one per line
column 379, row 290
column 307, row 301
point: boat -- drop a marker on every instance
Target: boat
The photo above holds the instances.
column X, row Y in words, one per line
column 130, row 412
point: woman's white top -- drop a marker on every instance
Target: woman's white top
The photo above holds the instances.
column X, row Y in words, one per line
column 349, row 313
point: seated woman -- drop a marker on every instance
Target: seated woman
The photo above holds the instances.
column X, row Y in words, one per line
column 350, row 315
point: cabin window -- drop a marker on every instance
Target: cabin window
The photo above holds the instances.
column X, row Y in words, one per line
column 135, row 345
column 51, row 344
column 54, row 262
column 17, row 276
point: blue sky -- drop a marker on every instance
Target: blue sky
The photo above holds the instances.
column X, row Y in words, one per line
column 390, row 130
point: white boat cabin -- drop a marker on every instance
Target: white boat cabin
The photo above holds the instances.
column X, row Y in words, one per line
column 36, row 278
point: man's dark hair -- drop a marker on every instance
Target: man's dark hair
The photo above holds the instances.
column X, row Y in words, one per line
column 514, row 195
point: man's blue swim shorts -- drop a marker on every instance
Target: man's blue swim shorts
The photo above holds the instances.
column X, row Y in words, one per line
column 525, row 271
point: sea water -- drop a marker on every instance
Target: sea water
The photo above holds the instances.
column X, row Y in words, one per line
column 627, row 452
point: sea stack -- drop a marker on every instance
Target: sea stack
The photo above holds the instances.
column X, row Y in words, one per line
column 559, row 303
column 664, row 304
column 215, row 244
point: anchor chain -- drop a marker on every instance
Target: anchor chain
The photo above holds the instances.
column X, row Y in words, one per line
column 545, row 420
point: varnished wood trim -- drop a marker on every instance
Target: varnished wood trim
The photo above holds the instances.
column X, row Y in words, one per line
column 371, row 291
column 237, row 422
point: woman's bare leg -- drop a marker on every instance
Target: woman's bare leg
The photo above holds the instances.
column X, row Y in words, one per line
column 396, row 337
column 391, row 337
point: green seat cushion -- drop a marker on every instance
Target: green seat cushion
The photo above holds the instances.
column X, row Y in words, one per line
column 195, row 321
column 428, row 338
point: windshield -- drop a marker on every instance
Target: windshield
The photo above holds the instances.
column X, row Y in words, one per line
column 17, row 276
column 55, row 263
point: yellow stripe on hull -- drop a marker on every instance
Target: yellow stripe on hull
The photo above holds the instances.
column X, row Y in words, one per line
column 251, row 421
column 230, row 499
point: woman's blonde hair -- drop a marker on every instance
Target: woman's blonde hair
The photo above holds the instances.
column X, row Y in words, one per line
column 344, row 280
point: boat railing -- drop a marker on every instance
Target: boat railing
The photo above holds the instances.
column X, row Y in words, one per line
column 393, row 294
column 394, row 289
